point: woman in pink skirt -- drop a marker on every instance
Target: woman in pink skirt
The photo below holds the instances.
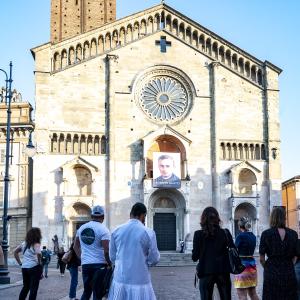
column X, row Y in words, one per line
column 246, row 282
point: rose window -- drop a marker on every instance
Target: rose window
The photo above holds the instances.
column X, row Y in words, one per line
column 164, row 99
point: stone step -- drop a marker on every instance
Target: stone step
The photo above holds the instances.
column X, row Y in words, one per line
column 175, row 259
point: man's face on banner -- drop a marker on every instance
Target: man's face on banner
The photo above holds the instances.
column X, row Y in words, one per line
column 166, row 167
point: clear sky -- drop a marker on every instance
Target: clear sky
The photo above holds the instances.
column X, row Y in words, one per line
column 267, row 29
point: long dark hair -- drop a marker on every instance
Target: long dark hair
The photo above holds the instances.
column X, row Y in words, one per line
column 278, row 217
column 33, row 236
column 210, row 221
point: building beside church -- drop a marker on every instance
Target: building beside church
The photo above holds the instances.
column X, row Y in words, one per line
column 20, row 169
column 291, row 201
column 111, row 95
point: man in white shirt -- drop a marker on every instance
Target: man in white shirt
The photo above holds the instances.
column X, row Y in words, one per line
column 92, row 246
column 133, row 249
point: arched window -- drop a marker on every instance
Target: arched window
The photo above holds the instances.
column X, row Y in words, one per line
column 150, row 25
column 56, row 62
column 215, row 50
column 235, row 151
column 169, row 23
column 223, row 151
column 252, row 152
column 241, row 152
column 222, row 54
column 69, row 147
column 71, row 56
column 168, row 144
column 115, row 39
column 61, row 144
column 83, row 181
column 259, row 77
column 201, row 42
column 86, row 50
column 76, row 144
column 241, row 65
column 93, row 47
column 101, row 44
column 257, row 152
column 122, row 37
column 181, row 31
column 129, row 34
column 103, row 145
column 208, row 46
column 247, row 180
column 143, row 31
column 54, row 145
column 90, row 145
column 228, row 58
column 107, row 42
column 83, row 144
column 64, row 58
column 188, row 35
column 96, row 145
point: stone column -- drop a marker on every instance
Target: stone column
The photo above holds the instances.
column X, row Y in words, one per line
column 272, row 133
column 108, row 97
column 216, row 201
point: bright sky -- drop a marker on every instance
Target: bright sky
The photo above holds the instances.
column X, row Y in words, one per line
column 267, row 29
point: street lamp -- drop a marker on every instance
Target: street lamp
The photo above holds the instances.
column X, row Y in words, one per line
column 4, row 273
column 30, row 150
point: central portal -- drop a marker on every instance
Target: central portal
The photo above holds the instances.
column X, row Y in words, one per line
column 166, row 215
column 164, row 225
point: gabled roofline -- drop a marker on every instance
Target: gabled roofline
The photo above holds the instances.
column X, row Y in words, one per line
column 244, row 162
column 238, row 49
column 175, row 12
column 291, row 180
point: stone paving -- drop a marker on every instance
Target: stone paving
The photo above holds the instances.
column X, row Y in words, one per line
column 170, row 283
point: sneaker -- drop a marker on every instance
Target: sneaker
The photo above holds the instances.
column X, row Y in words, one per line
column 46, row 276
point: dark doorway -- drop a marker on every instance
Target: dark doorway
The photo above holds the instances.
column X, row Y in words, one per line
column 165, row 229
column 77, row 225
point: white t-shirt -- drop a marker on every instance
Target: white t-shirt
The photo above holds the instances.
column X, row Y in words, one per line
column 90, row 235
column 30, row 259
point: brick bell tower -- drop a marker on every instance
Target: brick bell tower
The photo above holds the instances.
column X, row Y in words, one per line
column 72, row 17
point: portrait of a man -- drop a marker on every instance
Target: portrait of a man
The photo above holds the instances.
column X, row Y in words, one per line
column 166, row 170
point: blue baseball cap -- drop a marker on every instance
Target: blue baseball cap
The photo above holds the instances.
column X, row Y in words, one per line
column 97, row 211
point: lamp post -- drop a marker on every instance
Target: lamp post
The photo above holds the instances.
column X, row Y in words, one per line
column 4, row 273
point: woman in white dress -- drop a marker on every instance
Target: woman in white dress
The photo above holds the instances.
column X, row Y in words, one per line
column 133, row 249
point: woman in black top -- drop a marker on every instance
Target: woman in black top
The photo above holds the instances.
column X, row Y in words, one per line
column 279, row 244
column 60, row 263
column 210, row 249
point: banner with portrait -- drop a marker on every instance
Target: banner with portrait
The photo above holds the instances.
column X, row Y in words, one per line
column 166, row 170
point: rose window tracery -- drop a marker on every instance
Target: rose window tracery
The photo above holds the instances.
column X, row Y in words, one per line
column 164, row 99
column 164, row 95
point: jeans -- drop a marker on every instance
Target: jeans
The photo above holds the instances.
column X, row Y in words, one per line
column 74, row 281
column 206, row 286
column 88, row 272
column 297, row 271
column 62, row 267
column 31, row 281
column 45, row 269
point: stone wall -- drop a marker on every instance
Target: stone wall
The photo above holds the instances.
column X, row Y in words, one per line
column 70, row 18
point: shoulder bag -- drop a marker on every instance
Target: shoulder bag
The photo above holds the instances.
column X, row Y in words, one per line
column 67, row 257
column 235, row 263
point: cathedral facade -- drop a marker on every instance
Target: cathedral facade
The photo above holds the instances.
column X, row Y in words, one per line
column 116, row 100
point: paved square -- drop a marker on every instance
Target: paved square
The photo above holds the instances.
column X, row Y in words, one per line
column 170, row 283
